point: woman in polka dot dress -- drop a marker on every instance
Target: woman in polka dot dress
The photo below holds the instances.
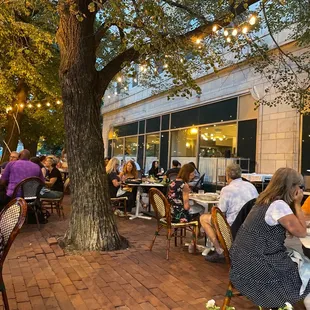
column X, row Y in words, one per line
column 261, row 268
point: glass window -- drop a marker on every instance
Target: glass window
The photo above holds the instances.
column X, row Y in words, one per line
column 131, row 148
column 153, row 124
column 183, row 145
column 165, row 122
column 151, row 150
column 118, row 148
column 126, row 130
column 215, row 143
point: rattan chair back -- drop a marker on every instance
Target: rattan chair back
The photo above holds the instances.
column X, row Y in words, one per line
column 28, row 188
column 223, row 231
column 12, row 218
column 160, row 205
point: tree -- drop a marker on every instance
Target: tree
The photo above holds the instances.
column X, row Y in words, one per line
column 101, row 39
column 29, row 60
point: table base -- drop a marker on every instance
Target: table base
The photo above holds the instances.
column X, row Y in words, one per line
column 140, row 216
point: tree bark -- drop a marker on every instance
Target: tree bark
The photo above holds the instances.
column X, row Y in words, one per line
column 92, row 224
column 14, row 119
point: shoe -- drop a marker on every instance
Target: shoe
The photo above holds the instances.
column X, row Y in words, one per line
column 215, row 258
column 207, row 251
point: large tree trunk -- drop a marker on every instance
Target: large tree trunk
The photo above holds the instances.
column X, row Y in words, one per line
column 14, row 118
column 92, row 224
column 31, row 146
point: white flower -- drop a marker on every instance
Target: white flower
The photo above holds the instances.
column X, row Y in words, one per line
column 210, row 303
column 288, row 306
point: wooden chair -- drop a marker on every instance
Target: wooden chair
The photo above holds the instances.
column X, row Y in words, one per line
column 162, row 210
column 51, row 203
column 29, row 189
column 225, row 239
column 12, row 218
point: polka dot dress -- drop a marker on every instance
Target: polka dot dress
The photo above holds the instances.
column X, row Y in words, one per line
column 260, row 267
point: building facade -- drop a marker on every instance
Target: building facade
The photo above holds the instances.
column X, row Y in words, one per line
column 222, row 122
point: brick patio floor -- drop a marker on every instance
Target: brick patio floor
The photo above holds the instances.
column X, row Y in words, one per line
column 41, row 276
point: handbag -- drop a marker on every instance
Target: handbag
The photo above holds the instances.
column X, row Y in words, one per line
column 120, row 192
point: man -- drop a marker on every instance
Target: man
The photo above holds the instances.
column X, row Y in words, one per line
column 17, row 171
column 233, row 197
column 176, row 166
column 13, row 157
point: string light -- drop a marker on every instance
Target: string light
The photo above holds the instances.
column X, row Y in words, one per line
column 214, row 28
column 21, row 105
column 109, row 96
column 165, row 66
column 198, row 41
column 30, row 105
column 252, row 20
column 48, row 104
column 226, row 33
column 135, row 80
column 119, row 79
column 228, row 39
column 245, row 29
column 39, row 105
column 234, row 32
column 58, row 102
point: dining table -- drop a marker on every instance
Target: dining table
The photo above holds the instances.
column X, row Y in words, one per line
column 140, row 187
column 205, row 199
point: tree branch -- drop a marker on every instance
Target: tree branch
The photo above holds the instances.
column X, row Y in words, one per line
column 116, row 64
column 187, row 9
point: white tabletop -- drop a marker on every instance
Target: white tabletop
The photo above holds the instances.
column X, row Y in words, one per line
column 203, row 202
column 146, row 184
column 307, row 193
column 305, row 241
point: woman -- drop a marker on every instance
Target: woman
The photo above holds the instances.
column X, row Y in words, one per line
column 261, row 268
column 37, row 161
column 155, row 169
column 115, row 183
column 129, row 171
column 178, row 195
column 54, row 186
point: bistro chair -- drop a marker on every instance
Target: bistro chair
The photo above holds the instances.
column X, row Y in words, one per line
column 51, row 203
column 162, row 210
column 12, row 218
column 29, row 189
column 119, row 202
column 199, row 184
column 225, row 239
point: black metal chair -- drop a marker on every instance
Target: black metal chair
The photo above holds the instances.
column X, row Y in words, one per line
column 12, row 218
column 29, row 189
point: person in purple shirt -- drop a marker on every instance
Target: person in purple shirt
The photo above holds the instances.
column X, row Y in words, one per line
column 17, row 171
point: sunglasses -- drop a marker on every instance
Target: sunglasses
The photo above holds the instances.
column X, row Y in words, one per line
column 302, row 187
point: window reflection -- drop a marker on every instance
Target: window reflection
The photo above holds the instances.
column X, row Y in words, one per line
column 151, row 150
column 131, row 148
column 118, row 148
column 218, row 141
column 183, row 145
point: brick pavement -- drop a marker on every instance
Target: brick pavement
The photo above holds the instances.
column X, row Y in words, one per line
column 39, row 275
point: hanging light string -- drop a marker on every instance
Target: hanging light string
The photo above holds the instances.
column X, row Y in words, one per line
column 32, row 104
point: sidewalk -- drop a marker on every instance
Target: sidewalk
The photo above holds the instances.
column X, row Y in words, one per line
column 39, row 275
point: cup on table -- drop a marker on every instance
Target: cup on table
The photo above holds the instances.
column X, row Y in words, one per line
column 201, row 192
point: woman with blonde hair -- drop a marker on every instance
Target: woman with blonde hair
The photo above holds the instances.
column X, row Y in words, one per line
column 115, row 183
column 261, row 267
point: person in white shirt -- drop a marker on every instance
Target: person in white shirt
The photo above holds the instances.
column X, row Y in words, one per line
column 232, row 198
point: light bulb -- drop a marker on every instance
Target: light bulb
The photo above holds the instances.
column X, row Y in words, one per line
column 198, row 41
column 234, row 32
column 228, row 39
column 29, row 105
column 119, row 79
column 39, row 105
column 58, row 102
column 252, row 20
column 21, row 105
column 214, row 28
column 226, row 33
column 135, row 80
column 245, row 29
column 48, row 104
column 109, row 96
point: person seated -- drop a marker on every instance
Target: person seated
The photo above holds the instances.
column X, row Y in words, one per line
column 196, row 178
column 129, row 171
column 261, row 267
column 115, row 183
column 13, row 157
column 37, row 161
column 54, row 185
column 174, row 170
column 232, row 198
column 106, row 160
column 155, row 171
column 15, row 172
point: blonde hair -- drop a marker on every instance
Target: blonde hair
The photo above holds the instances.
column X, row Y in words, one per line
column 111, row 166
column 281, row 187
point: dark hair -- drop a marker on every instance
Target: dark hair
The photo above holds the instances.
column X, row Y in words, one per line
column 193, row 164
column 37, row 161
column 175, row 163
column 42, row 157
column 185, row 171
column 154, row 170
